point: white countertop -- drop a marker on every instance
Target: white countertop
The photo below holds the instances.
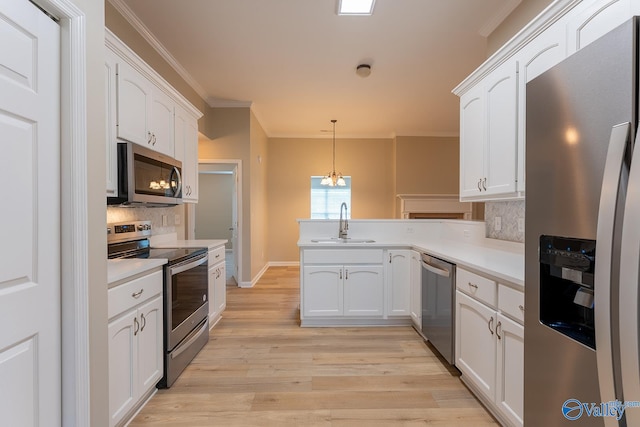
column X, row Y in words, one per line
column 118, row 269
column 502, row 260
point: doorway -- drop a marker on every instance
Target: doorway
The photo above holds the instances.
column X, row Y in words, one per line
column 218, row 209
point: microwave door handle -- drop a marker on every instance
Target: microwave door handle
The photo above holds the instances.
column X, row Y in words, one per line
column 604, row 249
column 178, row 189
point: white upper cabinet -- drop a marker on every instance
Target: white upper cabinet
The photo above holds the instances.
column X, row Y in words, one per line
column 144, row 112
column 591, row 19
column 186, row 148
column 134, row 102
column 493, row 97
column 488, row 134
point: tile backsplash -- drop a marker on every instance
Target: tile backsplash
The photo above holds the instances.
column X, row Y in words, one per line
column 163, row 220
column 505, row 220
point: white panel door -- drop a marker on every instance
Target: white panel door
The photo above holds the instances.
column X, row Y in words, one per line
column 399, row 284
column 472, row 140
column 30, row 362
column 123, row 355
column 510, row 369
column 322, row 291
column 150, row 355
column 363, row 291
column 134, row 105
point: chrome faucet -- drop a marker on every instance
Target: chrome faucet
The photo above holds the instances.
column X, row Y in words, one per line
column 344, row 224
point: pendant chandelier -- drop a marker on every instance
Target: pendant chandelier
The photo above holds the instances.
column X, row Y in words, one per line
column 333, row 179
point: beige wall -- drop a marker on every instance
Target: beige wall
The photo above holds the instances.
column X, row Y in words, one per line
column 518, row 19
column 427, row 165
column 231, row 142
column 292, row 162
column 259, row 213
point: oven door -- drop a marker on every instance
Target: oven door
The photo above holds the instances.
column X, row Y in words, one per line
column 186, row 298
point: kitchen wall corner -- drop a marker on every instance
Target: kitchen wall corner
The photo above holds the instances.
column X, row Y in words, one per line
column 510, row 217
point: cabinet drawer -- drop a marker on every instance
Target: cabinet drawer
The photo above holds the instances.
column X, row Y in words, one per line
column 343, row 256
column 216, row 255
column 511, row 302
column 130, row 294
column 477, row 286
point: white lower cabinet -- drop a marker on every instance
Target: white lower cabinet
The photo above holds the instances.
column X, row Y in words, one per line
column 415, row 298
column 135, row 343
column 397, row 276
column 490, row 346
column 343, row 290
column 217, row 284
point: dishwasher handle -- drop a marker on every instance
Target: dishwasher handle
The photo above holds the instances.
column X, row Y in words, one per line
column 433, row 268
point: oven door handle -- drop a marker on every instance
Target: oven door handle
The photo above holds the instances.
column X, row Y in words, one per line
column 191, row 338
column 179, row 268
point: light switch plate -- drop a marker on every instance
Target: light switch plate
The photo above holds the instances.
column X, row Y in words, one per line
column 497, row 223
column 177, row 219
column 521, row 225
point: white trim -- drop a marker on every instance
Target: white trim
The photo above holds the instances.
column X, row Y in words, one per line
column 284, row 264
column 76, row 399
column 146, row 34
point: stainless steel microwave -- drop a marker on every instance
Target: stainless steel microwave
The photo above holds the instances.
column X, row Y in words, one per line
column 146, row 177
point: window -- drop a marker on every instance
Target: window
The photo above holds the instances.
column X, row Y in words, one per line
column 326, row 201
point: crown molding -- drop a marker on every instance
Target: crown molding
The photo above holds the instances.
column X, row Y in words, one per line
column 137, row 24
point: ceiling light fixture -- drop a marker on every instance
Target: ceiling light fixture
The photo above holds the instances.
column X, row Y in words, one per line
column 332, row 179
column 355, row 7
column 363, row 70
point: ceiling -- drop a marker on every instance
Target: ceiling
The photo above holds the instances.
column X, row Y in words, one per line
column 294, row 61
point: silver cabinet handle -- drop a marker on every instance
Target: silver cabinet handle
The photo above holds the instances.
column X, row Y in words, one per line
column 479, row 182
column 136, row 326
column 144, row 322
column 484, row 184
column 149, row 137
column 340, row 273
column 217, row 255
column 346, row 274
column 491, row 325
column 474, row 286
column 521, row 307
column 154, row 139
column 498, row 326
column 137, row 294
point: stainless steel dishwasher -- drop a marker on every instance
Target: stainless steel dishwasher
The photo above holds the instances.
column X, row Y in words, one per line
column 438, row 304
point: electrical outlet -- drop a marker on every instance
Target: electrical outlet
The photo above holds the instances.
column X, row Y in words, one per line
column 177, row 219
column 409, row 230
column 521, row 225
column 164, row 220
column 497, row 223
column 466, row 234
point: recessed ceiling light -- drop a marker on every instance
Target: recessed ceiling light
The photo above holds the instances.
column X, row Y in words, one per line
column 355, row 7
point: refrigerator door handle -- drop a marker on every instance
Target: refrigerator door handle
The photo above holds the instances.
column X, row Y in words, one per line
column 629, row 293
column 604, row 253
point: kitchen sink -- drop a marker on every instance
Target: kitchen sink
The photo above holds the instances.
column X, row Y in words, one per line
column 339, row 240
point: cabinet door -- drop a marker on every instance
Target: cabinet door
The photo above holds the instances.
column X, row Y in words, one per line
column 150, row 344
column 591, row 19
column 416, row 291
column 186, row 148
column 475, row 343
column 501, row 143
column 322, row 292
column 110, row 61
column 510, row 366
column 134, row 103
column 472, row 137
column 542, row 53
column 123, row 358
column 220, row 288
column 162, row 122
column 363, row 291
column 213, row 272
column 398, row 283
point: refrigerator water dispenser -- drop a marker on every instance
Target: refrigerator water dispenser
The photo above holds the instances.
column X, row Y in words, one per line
column 567, row 287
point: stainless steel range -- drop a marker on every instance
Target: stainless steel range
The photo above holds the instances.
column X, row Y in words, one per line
column 186, row 300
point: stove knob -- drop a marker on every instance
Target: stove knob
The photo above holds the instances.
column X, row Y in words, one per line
column 147, row 227
column 140, row 227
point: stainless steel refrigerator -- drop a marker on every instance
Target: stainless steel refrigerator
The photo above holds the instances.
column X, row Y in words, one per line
column 582, row 238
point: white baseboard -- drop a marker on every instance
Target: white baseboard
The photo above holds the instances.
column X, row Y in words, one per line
column 255, row 280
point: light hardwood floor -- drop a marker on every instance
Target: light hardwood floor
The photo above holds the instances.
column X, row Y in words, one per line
column 261, row 369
